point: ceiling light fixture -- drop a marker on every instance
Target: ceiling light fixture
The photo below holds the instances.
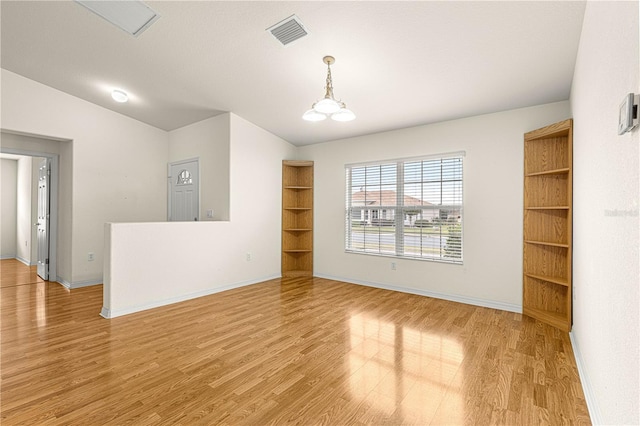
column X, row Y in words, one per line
column 328, row 106
column 119, row 96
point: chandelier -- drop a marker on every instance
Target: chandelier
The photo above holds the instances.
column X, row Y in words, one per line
column 328, row 106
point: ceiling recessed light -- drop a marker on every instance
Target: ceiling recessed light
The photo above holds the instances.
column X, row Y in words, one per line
column 119, row 96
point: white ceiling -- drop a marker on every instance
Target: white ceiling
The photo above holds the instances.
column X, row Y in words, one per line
column 398, row 64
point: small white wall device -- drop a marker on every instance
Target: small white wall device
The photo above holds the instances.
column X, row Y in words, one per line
column 628, row 118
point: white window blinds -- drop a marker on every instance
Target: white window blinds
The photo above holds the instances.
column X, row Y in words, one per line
column 410, row 208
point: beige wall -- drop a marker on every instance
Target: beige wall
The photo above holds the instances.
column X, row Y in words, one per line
column 211, row 256
column 113, row 170
column 8, row 206
column 208, row 140
column 493, row 178
column 23, row 215
column 606, row 273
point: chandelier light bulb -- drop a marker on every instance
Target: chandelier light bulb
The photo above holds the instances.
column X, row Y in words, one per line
column 326, row 106
column 313, row 115
column 343, row 115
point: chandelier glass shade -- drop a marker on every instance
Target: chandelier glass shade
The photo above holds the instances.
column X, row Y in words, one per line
column 329, row 106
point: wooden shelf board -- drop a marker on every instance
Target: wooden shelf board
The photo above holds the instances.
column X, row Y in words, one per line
column 296, row 273
column 552, row 318
column 548, row 224
column 562, row 128
column 297, row 218
column 548, row 208
column 545, row 243
column 298, row 163
column 562, row 171
column 554, row 280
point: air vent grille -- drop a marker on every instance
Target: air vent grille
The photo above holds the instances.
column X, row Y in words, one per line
column 132, row 16
column 289, row 30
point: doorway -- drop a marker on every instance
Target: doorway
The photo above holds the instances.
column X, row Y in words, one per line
column 47, row 216
column 184, row 191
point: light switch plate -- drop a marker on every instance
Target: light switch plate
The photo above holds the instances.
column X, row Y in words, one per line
column 628, row 114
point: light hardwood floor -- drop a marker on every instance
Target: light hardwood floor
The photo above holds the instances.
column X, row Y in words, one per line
column 14, row 272
column 298, row 350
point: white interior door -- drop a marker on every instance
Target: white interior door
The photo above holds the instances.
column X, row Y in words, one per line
column 43, row 219
column 184, row 190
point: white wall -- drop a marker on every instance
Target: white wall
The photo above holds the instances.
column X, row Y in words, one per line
column 23, row 213
column 153, row 264
column 117, row 169
column 606, row 227
column 493, row 180
column 209, row 141
column 8, row 208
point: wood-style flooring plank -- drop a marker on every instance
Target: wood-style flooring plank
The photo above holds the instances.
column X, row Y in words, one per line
column 298, row 350
column 14, row 273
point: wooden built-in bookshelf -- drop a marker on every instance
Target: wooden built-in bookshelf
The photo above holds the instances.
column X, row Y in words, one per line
column 297, row 218
column 548, row 206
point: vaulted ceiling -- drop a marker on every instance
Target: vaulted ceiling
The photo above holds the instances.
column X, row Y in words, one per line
column 398, row 64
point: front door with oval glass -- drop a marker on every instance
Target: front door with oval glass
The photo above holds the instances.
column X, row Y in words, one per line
column 184, row 191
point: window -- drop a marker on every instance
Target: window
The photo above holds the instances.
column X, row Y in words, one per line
column 409, row 208
column 184, row 178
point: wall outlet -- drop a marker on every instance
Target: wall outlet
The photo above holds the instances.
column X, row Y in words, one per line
column 248, row 257
column 393, row 266
column 210, row 214
column 91, row 257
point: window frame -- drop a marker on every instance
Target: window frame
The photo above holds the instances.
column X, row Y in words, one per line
column 399, row 210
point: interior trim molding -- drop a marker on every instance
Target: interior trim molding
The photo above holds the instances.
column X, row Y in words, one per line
column 77, row 284
column 23, row 261
column 450, row 297
column 108, row 313
column 64, row 283
column 589, row 396
column 105, row 313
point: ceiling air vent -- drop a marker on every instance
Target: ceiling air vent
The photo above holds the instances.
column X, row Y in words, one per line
column 289, row 30
column 133, row 16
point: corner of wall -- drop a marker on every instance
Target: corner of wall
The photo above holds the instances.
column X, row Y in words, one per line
column 606, row 331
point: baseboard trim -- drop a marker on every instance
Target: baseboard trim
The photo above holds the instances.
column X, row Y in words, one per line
column 450, row 297
column 105, row 313
column 109, row 314
column 589, row 396
column 7, row 256
column 77, row 284
column 23, row 261
column 64, row 283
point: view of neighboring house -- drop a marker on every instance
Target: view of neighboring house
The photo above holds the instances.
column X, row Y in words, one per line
column 379, row 209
